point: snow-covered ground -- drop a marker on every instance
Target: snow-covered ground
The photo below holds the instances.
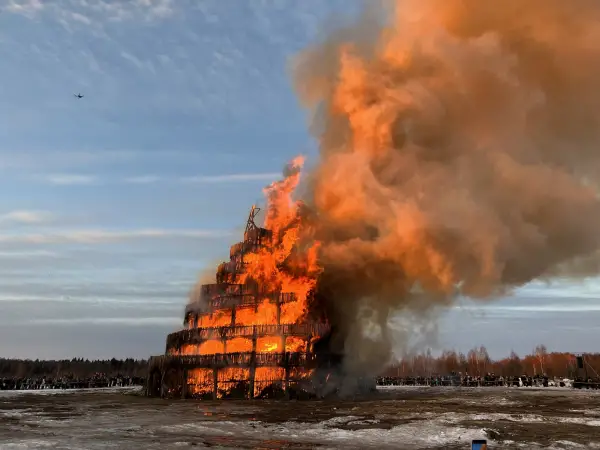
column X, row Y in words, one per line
column 335, row 432
column 10, row 393
column 405, row 417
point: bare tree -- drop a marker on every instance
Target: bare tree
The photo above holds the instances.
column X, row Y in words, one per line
column 473, row 361
column 540, row 353
column 463, row 362
column 449, row 361
column 483, row 358
column 514, row 366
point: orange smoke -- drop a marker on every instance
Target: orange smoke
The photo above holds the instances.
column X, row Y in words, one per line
column 458, row 154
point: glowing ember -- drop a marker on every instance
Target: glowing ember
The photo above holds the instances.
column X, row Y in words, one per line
column 200, row 381
column 211, row 347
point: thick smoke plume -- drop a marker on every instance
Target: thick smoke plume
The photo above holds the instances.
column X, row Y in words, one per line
column 458, row 154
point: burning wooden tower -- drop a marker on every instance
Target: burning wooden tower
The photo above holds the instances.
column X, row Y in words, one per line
column 248, row 334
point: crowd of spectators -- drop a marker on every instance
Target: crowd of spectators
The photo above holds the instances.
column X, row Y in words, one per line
column 97, row 380
column 464, row 379
column 76, row 373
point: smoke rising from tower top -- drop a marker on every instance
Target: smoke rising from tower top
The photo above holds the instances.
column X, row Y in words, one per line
column 459, row 150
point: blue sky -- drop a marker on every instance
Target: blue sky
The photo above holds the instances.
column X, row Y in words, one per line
column 113, row 204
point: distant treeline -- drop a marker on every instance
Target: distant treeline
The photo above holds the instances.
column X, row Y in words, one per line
column 76, row 367
column 477, row 362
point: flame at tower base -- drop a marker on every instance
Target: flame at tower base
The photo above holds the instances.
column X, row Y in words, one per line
column 243, row 339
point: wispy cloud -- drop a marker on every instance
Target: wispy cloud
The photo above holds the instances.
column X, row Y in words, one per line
column 27, row 254
column 77, row 161
column 26, row 217
column 118, row 298
column 132, row 59
column 79, row 10
column 232, row 178
column 25, row 7
column 133, row 9
column 109, row 321
column 142, row 179
column 80, row 18
column 71, row 179
column 144, row 64
column 76, row 179
column 26, row 159
column 107, row 236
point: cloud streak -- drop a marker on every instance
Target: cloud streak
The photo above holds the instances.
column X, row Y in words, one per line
column 106, row 10
column 108, row 321
column 26, row 254
column 71, row 179
column 27, row 8
column 232, row 178
column 79, row 179
column 100, row 236
column 120, row 297
column 142, row 179
column 26, row 217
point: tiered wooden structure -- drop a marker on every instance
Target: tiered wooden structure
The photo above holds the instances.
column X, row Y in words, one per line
column 184, row 372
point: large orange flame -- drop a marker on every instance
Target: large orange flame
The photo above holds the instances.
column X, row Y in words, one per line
column 285, row 269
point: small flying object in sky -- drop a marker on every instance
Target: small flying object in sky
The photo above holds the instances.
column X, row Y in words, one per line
column 78, row 95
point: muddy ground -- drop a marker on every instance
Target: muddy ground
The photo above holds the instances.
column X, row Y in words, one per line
column 433, row 418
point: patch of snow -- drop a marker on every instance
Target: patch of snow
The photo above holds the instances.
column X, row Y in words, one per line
column 594, row 412
column 415, row 435
column 26, row 444
column 566, row 444
column 578, row 421
column 15, row 413
column 452, row 417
